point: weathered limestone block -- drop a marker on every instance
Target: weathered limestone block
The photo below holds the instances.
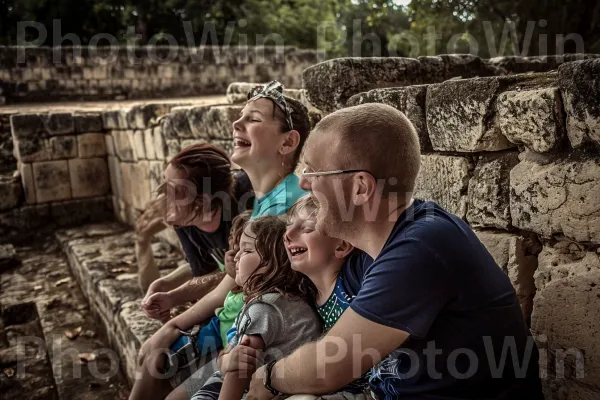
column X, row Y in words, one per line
column 124, row 145
column 518, row 64
column 444, row 179
column 114, row 171
column 26, row 172
column 91, row 145
column 8, row 257
column 159, row 142
column 331, row 83
column 197, row 120
column 114, row 119
column 25, row 125
column 51, row 179
column 532, row 117
column 458, row 114
column 59, row 123
column 145, row 115
column 63, row 147
column 580, row 88
column 409, row 99
column 139, row 147
column 88, row 122
column 489, row 191
column 33, row 149
column 81, row 211
column 557, row 197
column 517, row 256
column 447, row 66
column 173, row 147
column 226, row 145
column 149, row 144
column 109, row 144
column 176, row 124
column 10, row 192
column 462, row 113
column 89, row 177
column 139, row 184
column 213, row 122
column 156, row 170
column 566, row 311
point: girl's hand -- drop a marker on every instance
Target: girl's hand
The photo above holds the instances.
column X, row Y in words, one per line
column 229, row 261
column 241, row 358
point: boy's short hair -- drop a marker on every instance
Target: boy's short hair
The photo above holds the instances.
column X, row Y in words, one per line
column 303, row 203
column 237, row 226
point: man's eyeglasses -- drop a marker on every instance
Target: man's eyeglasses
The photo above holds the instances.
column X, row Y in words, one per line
column 273, row 91
column 332, row 172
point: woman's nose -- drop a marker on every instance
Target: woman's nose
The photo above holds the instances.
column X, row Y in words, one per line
column 237, row 125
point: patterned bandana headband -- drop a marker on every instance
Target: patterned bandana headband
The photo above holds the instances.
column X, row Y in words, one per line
column 274, row 92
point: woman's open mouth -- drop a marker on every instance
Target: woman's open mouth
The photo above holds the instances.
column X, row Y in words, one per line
column 237, row 142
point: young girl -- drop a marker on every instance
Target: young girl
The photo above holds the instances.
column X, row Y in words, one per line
column 326, row 262
column 268, row 139
column 276, row 317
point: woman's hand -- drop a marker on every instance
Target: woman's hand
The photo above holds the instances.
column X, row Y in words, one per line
column 152, row 220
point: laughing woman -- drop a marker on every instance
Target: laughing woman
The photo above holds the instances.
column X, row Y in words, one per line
column 268, row 138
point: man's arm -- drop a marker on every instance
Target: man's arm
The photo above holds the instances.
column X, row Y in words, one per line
column 205, row 307
column 196, row 288
column 352, row 346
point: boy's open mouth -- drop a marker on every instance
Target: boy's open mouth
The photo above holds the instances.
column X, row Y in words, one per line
column 296, row 251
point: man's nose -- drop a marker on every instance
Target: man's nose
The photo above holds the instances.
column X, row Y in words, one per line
column 304, row 183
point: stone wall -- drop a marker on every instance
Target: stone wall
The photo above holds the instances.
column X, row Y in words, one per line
column 85, row 73
column 517, row 157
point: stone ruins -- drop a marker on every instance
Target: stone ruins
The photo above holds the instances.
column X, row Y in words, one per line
column 512, row 145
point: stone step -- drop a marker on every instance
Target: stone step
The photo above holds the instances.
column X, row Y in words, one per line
column 102, row 259
column 51, row 347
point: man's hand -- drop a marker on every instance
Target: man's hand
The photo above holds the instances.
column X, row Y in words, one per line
column 158, row 306
column 240, row 358
column 152, row 220
column 257, row 390
column 229, row 262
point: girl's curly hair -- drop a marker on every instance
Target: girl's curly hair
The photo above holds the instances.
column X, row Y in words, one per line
column 278, row 277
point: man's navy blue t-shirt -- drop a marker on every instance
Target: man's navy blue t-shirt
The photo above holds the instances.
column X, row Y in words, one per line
column 435, row 280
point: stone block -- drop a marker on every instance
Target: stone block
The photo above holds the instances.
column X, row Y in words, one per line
column 59, row 123
column 26, row 172
column 63, row 147
column 156, row 170
column 173, row 147
column 462, row 113
column 580, row 90
column 444, row 179
column 145, row 115
column 140, row 185
column 197, row 121
column 410, row 100
column 126, row 180
column 81, row 211
column 24, row 219
column 218, row 122
column 88, row 122
column 8, row 257
column 532, row 118
column 89, row 177
column 451, row 66
column 51, row 180
column 91, row 145
column 517, row 256
column 159, row 142
column 10, row 192
column 226, row 145
column 114, row 119
column 149, row 144
column 25, row 125
column 116, row 181
column 331, row 83
column 489, row 191
column 566, row 312
column 109, row 143
column 559, row 197
column 33, row 149
column 176, row 124
column 518, row 65
column 139, row 147
column 124, row 145
column 458, row 115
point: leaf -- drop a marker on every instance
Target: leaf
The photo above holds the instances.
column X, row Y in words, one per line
column 119, row 270
column 8, row 372
column 62, row 281
column 72, row 334
column 89, row 333
column 87, row 357
column 37, row 287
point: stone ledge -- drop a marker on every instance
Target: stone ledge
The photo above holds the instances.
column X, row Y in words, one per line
column 102, row 259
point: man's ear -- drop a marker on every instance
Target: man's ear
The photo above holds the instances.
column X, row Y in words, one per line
column 364, row 188
column 290, row 143
column 343, row 249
